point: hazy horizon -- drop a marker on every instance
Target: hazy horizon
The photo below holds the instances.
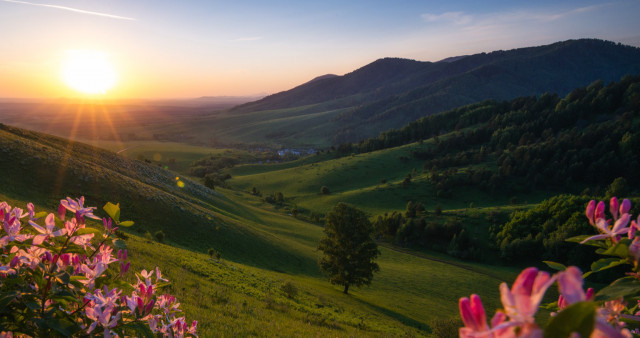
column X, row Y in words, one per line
column 189, row 50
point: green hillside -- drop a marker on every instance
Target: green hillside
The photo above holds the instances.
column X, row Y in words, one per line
column 450, row 181
column 261, row 249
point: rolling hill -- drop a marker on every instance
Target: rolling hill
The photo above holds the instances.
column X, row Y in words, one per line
column 261, row 249
column 391, row 92
column 471, row 162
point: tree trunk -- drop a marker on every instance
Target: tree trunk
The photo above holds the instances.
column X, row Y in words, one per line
column 346, row 289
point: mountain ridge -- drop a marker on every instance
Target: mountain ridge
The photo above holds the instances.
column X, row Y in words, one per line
column 391, row 92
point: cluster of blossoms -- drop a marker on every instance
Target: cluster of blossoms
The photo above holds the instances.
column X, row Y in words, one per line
column 61, row 278
column 579, row 313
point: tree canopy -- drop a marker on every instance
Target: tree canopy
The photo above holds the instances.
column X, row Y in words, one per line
column 349, row 250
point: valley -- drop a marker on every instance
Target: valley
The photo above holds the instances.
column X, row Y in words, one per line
column 467, row 172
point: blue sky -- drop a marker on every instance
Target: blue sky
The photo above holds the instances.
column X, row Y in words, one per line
column 194, row 48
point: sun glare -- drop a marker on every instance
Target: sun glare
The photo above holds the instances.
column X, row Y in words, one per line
column 88, row 72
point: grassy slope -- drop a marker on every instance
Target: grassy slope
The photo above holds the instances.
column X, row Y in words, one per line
column 159, row 153
column 271, row 128
column 357, row 179
column 261, row 249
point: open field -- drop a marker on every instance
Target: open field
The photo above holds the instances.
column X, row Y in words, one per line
column 260, row 248
column 372, row 181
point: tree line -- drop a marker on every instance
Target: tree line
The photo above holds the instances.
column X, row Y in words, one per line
column 588, row 138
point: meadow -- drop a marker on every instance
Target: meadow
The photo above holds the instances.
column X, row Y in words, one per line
column 373, row 181
column 261, row 249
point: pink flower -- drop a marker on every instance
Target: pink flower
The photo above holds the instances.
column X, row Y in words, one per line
column 632, row 229
column 32, row 211
column 6, row 270
column 61, row 211
column 47, row 232
column 12, row 227
column 77, row 207
column 473, row 316
column 92, row 273
column 522, row 300
column 570, row 285
column 591, row 207
column 599, row 214
column 625, row 207
column 619, row 228
column 72, row 226
column 613, row 207
column 83, row 240
column 108, row 228
column 474, row 319
column 159, row 276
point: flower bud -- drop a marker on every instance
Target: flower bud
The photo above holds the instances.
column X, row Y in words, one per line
column 613, row 207
column 591, row 207
column 590, row 293
column 61, row 211
column 14, row 261
column 149, row 306
column 634, row 249
column 599, row 214
column 625, row 206
column 562, row 302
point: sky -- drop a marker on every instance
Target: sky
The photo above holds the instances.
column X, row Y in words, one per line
column 188, row 49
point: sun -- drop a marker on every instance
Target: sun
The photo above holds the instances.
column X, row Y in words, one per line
column 88, row 72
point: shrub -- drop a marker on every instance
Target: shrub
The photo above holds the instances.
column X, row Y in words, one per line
column 214, row 253
column 59, row 279
column 324, row 190
column 159, row 235
column 289, row 289
column 445, row 327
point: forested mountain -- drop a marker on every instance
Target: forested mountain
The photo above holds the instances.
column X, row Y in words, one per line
column 590, row 136
column 391, row 92
column 555, row 68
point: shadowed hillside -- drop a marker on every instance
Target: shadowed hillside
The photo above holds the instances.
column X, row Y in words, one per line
column 392, row 92
column 43, row 169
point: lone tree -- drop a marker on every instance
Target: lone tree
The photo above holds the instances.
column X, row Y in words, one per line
column 348, row 248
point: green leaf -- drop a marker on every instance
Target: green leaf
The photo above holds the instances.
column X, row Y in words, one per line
column 142, row 329
column 555, row 266
column 579, row 317
column 126, row 224
column 60, row 325
column 7, row 298
column 119, row 244
column 620, row 249
column 88, row 230
column 626, row 286
column 606, row 263
column 41, row 214
column 113, row 210
column 64, row 278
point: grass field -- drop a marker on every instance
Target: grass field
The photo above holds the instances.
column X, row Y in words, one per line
column 371, row 181
column 261, row 249
column 172, row 155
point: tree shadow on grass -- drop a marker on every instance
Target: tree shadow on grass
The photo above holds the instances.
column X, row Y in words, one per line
column 397, row 316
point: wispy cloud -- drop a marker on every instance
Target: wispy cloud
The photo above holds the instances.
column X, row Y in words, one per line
column 250, row 38
column 76, row 10
column 458, row 18
column 464, row 19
